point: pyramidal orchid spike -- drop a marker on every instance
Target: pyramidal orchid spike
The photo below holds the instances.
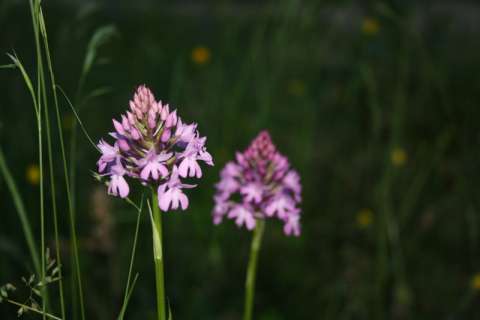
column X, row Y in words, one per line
column 151, row 144
column 262, row 179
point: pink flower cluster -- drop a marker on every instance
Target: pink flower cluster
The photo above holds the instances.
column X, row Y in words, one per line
column 153, row 145
column 264, row 183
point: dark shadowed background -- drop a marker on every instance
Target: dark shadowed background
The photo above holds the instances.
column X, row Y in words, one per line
column 374, row 102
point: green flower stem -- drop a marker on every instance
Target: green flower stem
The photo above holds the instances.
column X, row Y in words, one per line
column 158, row 257
column 252, row 269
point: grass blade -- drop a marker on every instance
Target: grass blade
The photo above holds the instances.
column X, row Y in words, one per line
column 132, row 259
column 8, row 66
column 73, row 232
column 129, row 294
column 102, row 35
column 22, row 213
column 27, row 80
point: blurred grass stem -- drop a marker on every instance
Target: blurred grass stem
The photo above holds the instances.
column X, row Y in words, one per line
column 22, row 212
column 35, row 9
column 252, row 269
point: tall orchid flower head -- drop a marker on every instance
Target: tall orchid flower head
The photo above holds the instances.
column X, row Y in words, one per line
column 152, row 145
column 259, row 184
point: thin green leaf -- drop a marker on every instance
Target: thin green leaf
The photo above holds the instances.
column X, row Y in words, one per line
column 3, row 292
column 125, row 303
column 157, row 243
column 41, row 22
column 27, row 80
column 37, row 292
column 8, row 66
column 21, row 211
column 55, row 270
column 10, row 287
column 102, row 35
column 129, row 201
column 31, row 279
column 132, row 256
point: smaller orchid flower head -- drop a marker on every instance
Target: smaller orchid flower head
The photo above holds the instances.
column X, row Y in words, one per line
column 264, row 183
column 152, row 145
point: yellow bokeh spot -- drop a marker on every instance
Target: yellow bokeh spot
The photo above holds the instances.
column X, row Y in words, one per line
column 398, row 157
column 296, row 88
column 200, row 55
column 364, row 218
column 476, row 282
column 33, row 174
column 370, row 26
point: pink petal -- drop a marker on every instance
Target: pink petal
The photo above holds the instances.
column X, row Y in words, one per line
column 123, row 187
column 183, row 168
column 123, row 144
column 250, row 222
column 239, row 221
column 135, row 134
column 118, row 126
column 217, row 219
column 198, row 170
column 163, row 170
column 164, row 200
column 145, row 172
column 154, row 173
column 166, row 135
column 183, row 201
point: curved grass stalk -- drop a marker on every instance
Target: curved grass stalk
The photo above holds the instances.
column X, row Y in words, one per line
column 22, row 213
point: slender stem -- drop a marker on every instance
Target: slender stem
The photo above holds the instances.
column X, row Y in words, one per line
column 252, row 269
column 54, row 203
column 71, row 211
column 158, row 257
column 42, row 213
column 132, row 257
column 34, row 8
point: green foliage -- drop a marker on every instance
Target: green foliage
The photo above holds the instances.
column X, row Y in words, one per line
column 34, row 286
column 100, row 37
column 381, row 122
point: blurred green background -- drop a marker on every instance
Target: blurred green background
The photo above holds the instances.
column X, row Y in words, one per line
column 374, row 102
